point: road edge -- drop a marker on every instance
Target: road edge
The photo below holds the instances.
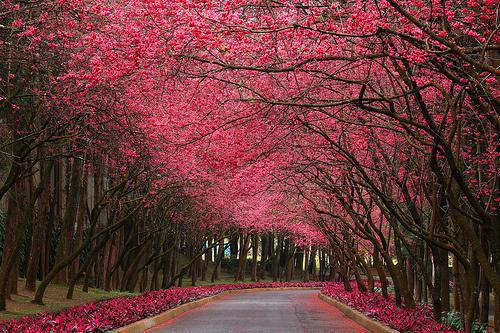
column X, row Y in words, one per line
column 146, row 323
column 368, row 323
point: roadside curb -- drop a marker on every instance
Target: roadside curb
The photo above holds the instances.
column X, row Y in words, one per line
column 368, row 323
column 144, row 324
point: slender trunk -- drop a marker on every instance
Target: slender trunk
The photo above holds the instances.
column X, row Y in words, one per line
column 174, row 265
column 119, row 261
column 403, row 280
column 208, row 256
column 194, row 267
column 255, row 250
column 312, row 263
column 220, row 256
column 242, row 260
column 419, row 273
column 484, row 309
column 18, row 218
column 67, row 223
column 38, row 237
column 289, row 262
column 128, row 276
column 381, row 273
column 165, row 267
column 68, row 260
column 343, row 272
column 321, row 263
column 264, row 256
column 496, row 319
column 276, row 260
column 299, row 262
column 185, row 268
column 12, row 245
column 369, row 276
column 90, row 258
column 306, row 265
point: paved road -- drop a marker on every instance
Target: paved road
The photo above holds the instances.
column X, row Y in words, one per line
column 265, row 311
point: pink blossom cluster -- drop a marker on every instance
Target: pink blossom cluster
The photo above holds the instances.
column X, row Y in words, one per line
column 117, row 312
column 375, row 306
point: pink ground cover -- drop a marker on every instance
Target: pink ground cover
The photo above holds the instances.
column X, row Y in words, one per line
column 117, row 312
column 375, row 306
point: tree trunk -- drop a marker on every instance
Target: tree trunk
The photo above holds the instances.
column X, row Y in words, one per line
column 68, row 260
column 306, row 265
column 276, row 260
column 18, row 218
column 484, row 309
column 255, row 250
column 67, row 223
column 312, row 263
column 38, row 237
column 264, row 256
column 220, row 256
column 242, row 260
column 381, row 273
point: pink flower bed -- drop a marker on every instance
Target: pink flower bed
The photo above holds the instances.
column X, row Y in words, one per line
column 373, row 305
column 117, row 312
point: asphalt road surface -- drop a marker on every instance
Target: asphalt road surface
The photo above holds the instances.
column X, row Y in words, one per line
column 264, row 311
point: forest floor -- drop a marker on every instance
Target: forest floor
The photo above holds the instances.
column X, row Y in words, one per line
column 55, row 300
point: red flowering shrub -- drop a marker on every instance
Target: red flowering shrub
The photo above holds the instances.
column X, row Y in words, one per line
column 375, row 306
column 117, row 312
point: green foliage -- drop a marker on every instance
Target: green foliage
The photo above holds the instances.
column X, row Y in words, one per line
column 453, row 319
column 379, row 289
column 231, row 264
